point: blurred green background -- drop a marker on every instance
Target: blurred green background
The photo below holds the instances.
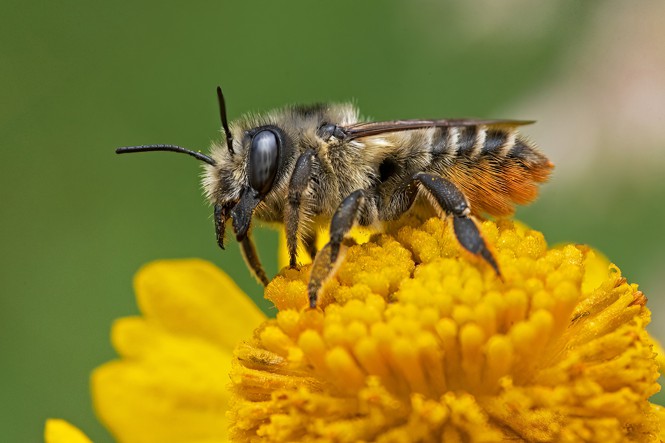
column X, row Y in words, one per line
column 78, row 79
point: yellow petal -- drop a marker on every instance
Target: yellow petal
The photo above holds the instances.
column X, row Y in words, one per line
column 172, row 382
column 168, row 388
column 60, row 431
column 660, row 354
column 194, row 297
column 595, row 269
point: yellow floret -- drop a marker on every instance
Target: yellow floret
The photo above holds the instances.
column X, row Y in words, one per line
column 417, row 340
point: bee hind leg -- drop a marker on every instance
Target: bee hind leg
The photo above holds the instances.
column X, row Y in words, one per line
column 452, row 201
column 324, row 264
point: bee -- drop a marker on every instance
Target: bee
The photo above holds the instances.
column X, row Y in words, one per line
column 304, row 166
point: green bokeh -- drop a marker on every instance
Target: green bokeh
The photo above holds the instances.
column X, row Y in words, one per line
column 81, row 78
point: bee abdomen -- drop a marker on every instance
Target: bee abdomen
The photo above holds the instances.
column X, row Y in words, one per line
column 476, row 142
column 494, row 166
column 509, row 145
column 522, row 149
column 472, row 142
column 496, row 141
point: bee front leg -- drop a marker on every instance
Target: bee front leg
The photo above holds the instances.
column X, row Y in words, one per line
column 346, row 215
column 297, row 187
column 252, row 259
column 241, row 214
column 220, row 215
column 452, row 201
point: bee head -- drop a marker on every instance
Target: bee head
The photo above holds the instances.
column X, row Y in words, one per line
column 244, row 169
column 241, row 170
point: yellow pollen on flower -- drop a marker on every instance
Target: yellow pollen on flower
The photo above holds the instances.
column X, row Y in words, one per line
column 417, row 340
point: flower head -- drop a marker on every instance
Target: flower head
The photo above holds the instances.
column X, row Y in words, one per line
column 416, row 341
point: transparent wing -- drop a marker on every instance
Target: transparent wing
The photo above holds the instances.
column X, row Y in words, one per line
column 359, row 130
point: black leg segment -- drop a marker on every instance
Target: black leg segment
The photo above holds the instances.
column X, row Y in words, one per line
column 221, row 215
column 469, row 236
column 297, row 186
column 252, row 259
column 309, row 240
column 346, row 215
column 242, row 212
column 343, row 220
column 445, row 193
column 322, row 269
column 453, row 202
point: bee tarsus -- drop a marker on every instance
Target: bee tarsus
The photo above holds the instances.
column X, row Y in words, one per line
column 469, row 236
column 322, row 269
column 342, row 221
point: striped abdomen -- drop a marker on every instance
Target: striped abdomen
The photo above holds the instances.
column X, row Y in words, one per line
column 494, row 166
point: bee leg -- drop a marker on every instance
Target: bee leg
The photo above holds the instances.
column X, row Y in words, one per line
column 399, row 202
column 252, row 259
column 221, row 215
column 342, row 222
column 297, row 187
column 469, row 236
column 309, row 239
column 241, row 214
column 453, row 201
column 322, row 268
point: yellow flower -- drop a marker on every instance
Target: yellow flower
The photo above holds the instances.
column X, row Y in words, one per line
column 59, row 431
column 170, row 384
column 415, row 340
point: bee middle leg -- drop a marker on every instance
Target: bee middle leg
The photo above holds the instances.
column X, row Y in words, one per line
column 309, row 240
column 342, row 221
column 297, row 187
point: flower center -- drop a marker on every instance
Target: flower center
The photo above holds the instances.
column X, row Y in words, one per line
column 416, row 340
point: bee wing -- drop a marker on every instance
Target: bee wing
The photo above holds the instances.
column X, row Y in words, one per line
column 359, row 130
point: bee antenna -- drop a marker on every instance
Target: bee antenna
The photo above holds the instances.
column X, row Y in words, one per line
column 146, row 148
column 225, row 123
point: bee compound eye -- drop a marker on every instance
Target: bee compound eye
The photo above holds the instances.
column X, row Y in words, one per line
column 263, row 160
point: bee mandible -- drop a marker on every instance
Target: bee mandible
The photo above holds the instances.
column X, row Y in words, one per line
column 305, row 166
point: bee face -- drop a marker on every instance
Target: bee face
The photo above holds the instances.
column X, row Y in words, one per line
column 265, row 150
column 302, row 165
column 253, row 165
